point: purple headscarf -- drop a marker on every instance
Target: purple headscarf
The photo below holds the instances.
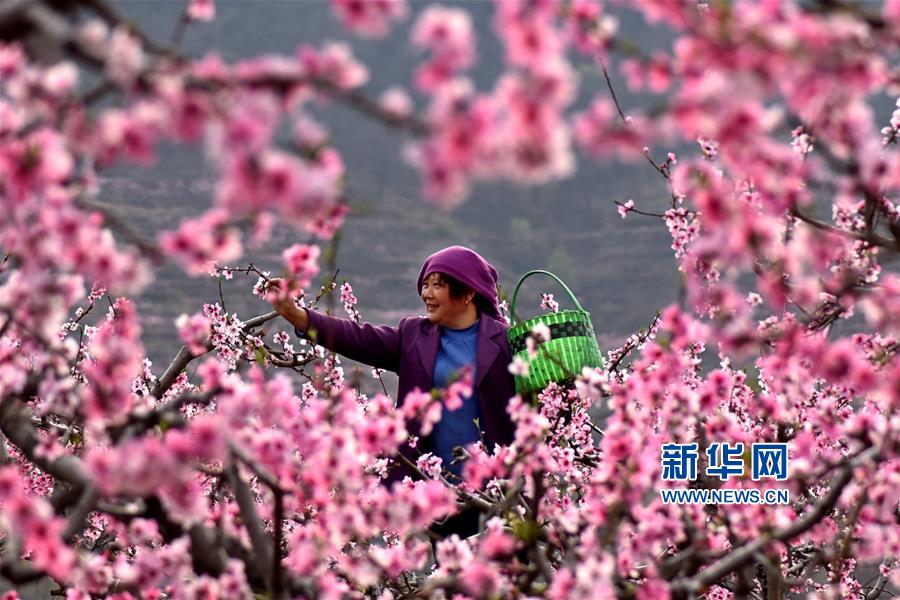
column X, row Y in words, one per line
column 468, row 267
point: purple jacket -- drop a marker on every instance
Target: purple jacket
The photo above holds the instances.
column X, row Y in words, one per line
column 410, row 350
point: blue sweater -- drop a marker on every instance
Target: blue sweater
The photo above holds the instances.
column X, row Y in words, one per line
column 456, row 428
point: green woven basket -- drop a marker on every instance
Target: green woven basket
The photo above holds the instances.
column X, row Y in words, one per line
column 572, row 346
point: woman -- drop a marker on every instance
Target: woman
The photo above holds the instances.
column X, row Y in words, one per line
column 463, row 327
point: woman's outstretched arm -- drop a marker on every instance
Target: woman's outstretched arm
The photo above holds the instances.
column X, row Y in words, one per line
column 378, row 346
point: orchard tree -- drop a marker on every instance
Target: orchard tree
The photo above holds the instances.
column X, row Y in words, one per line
column 264, row 474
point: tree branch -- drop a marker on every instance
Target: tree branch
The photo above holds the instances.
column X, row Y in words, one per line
column 871, row 238
column 184, row 357
column 170, row 410
column 259, row 539
column 85, row 505
column 877, row 589
column 178, row 364
column 15, row 423
column 260, row 471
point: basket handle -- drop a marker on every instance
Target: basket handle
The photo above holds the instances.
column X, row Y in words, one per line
column 512, row 306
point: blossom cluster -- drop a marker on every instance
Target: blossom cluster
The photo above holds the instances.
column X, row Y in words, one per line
column 349, row 300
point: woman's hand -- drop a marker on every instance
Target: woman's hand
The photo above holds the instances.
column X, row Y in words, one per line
column 285, row 305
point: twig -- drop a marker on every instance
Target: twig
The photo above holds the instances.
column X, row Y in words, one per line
column 221, row 295
column 595, row 428
column 641, row 212
column 326, row 288
column 291, row 364
column 463, row 495
column 507, row 501
column 661, row 170
column 626, row 350
column 611, row 90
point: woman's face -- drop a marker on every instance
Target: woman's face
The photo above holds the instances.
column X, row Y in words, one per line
column 442, row 309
